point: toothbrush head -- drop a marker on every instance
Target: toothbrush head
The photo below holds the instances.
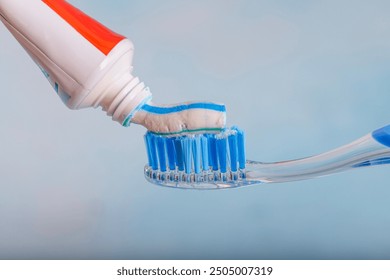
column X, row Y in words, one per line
column 197, row 161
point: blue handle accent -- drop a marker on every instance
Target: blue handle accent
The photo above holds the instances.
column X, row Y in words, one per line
column 382, row 135
column 379, row 161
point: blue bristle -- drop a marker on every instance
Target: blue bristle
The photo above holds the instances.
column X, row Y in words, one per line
column 161, row 153
column 152, row 150
column 179, row 154
column 233, row 151
column 171, row 153
column 210, row 158
column 148, row 148
column 205, row 153
column 241, row 149
column 187, row 152
column 213, row 156
column 222, row 154
column 197, row 152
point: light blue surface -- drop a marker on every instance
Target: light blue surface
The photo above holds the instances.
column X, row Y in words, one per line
column 300, row 77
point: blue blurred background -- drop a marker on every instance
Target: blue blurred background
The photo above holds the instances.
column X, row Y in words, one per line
column 300, row 77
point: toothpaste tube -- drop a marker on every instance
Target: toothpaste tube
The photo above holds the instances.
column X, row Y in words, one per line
column 87, row 64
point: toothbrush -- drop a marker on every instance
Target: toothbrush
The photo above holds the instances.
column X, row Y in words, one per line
column 218, row 161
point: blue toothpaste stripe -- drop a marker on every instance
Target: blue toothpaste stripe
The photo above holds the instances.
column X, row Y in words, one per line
column 180, row 108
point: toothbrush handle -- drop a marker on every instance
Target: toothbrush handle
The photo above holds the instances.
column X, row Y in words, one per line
column 372, row 149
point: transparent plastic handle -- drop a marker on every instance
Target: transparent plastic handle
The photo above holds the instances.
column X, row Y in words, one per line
column 366, row 151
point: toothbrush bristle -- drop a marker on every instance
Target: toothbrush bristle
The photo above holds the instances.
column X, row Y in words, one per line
column 241, row 148
column 233, row 151
column 186, row 143
column 161, row 154
column 171, row 153
column 196, row 148
column 222, row 154
column 213, row 155
column 196, row 159
column 179, row 154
